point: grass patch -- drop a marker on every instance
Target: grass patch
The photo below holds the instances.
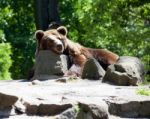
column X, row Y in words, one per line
column 77, row 108
column 143, row 91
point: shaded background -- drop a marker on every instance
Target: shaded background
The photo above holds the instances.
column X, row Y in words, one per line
column 122, row 26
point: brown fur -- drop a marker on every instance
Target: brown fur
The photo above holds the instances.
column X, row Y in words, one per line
column 81, row 54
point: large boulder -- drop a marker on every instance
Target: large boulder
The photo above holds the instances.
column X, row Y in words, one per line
column 129, row 108
column 48, row 64
column 6, row 102
column 93, row 70
column 92, row 111
column 127, row 71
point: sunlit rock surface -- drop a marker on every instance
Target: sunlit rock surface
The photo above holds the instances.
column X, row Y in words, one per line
column 75, row 99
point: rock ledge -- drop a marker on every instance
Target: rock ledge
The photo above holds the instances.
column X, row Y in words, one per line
column 77, row 99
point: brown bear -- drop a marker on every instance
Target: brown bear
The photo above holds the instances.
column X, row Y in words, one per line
column 56, row 40
column 80, row 54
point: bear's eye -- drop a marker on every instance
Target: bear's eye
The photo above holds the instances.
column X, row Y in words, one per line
column 50, row 40
column 47, row 38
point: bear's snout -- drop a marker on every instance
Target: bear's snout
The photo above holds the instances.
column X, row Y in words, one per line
column 59, row 48
column 55, row 44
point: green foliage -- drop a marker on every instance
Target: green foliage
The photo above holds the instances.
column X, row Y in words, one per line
column 77, row 108
column 5, row 54
column 122, row 26
column 143, row 91
column 17, row 24
column 5, row 61
column 2, row 36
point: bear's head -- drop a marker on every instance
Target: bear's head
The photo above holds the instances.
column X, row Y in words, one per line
column 53, row 39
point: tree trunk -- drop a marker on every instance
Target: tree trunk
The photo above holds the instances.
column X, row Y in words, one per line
column 46, row 11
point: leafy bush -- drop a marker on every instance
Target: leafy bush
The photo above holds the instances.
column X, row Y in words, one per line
column 143, row 91
column 17, row 22
column 5, row 61
column 23, row 50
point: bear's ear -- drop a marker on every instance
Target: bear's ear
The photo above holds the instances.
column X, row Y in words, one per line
column 39, row 34
column 62, row 30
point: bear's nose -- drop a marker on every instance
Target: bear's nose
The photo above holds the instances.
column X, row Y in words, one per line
column 59, row 47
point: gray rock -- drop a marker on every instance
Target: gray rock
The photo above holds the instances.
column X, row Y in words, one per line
column 144, row 109
column 31, row 109
column 52, row 109
column 6, row 102
column 129, row 109
column 35, row 82
column 48, row 63
column 127, row 71
column 68, row 114
column 84, row 115
column 20, row 107
column 93, row 111
column 52, row 99
column 92, row 70
column 67, row 79
column 46, row 109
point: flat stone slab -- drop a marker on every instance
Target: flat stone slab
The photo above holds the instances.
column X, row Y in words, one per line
column 51, row 98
